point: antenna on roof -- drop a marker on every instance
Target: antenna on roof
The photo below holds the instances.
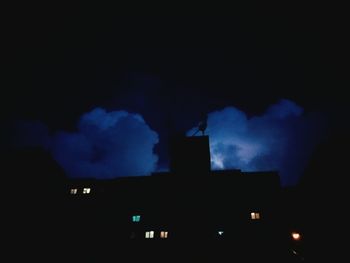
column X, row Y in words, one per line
column 202, row 126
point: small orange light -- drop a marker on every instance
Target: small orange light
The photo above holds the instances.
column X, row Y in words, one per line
column 296, row 236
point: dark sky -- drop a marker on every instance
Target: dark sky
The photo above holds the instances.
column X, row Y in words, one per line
column 172, row 70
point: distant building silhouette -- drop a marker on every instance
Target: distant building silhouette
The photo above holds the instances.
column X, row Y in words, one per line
column 204, row 214
column 189, row 214
column 190, row 157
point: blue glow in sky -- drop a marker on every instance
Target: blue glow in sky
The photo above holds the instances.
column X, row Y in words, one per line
column 107, row 145
column 281, row 139
column 118, row 143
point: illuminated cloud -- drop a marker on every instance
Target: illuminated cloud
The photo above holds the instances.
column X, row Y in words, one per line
column 119, row 143
column 107, row 145
column 281, row 139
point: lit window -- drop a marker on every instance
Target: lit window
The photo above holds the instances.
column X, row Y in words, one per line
column 296, row 236
column 86, row 190
column 136, row 218
column 73, row 191
column 164, row 234
column 149, row 234
column 220, row 233
column 255, row 215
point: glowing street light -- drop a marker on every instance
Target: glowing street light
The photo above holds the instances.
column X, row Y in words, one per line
column 296, row 236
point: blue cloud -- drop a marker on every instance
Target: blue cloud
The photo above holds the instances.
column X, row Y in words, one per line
column 284, row 109
column 107, row 145
column 281, row 139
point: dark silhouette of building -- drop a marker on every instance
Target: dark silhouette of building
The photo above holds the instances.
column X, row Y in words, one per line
column 186, row 215
column 34, row 215
column 190, row 157
column 321, row 200
column 189, row 214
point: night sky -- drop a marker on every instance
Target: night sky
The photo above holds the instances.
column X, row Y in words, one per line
column 103, row 93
